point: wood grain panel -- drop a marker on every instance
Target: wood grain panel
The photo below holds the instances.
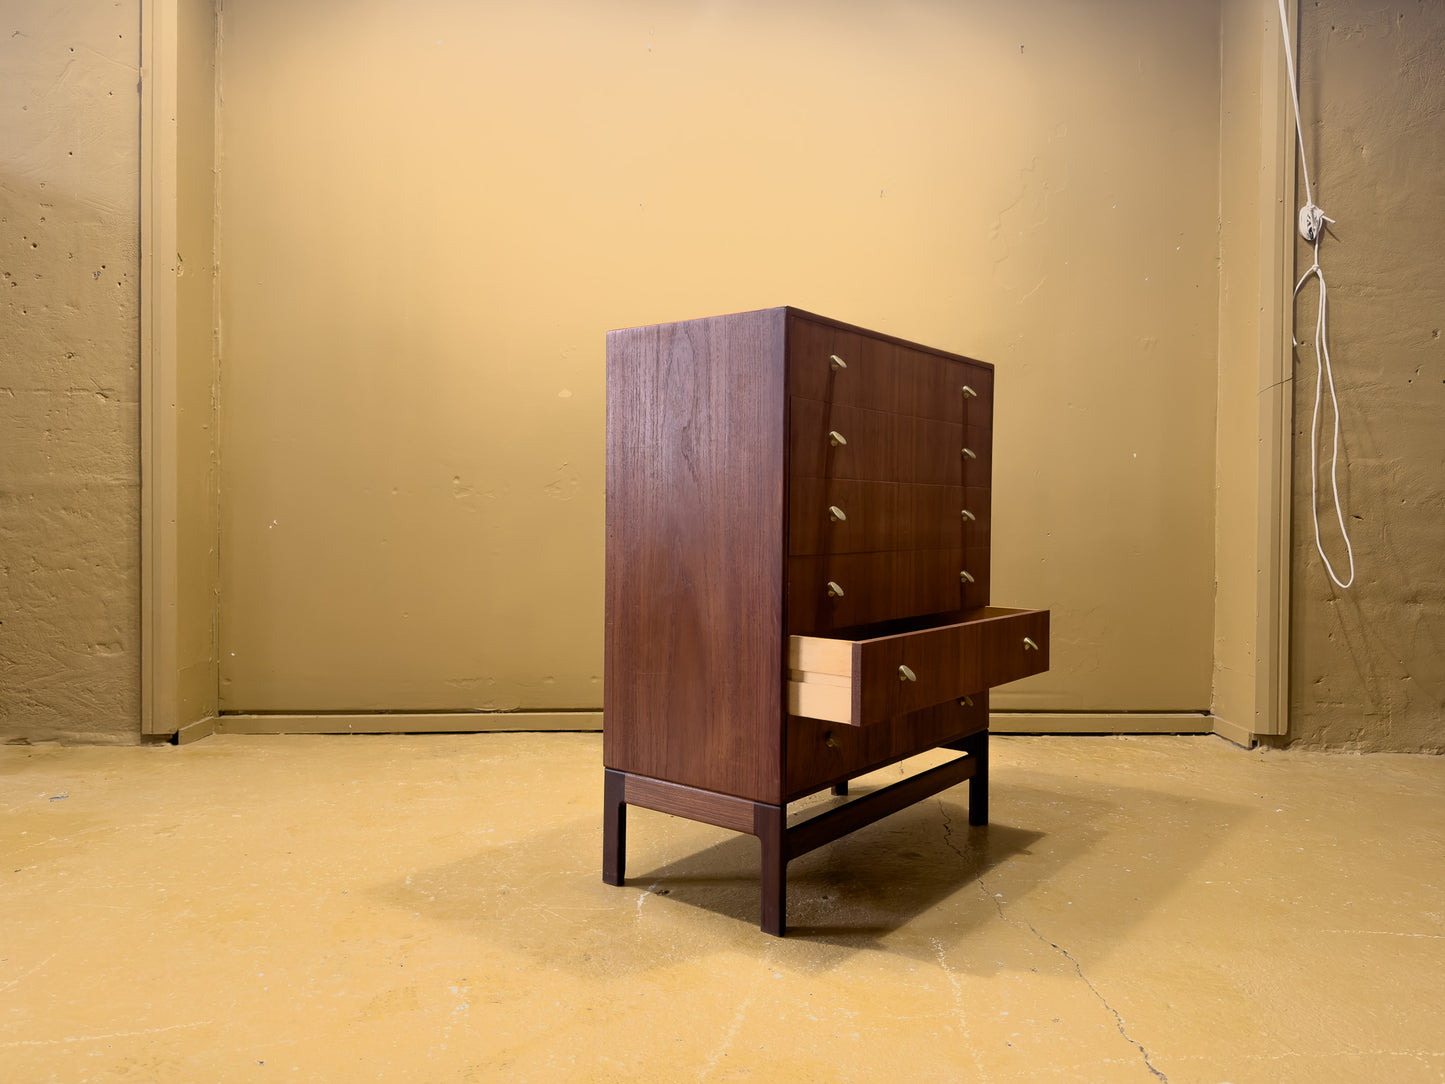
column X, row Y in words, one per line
column 874, row 589
column 931, row 452
column 978, row 409
column 978, row 468
column 870, row 378
column 931, row 386
column 937, row 584
column 979, row 501
column 723, row 810
column 883, row 516
column 871, row 511
column 930, row 517
column 881, row 586
column 695, row 537
column 870, row 454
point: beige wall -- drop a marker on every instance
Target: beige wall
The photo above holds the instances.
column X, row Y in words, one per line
column 1369, row 663
column 197, row 466
column 430, row 214
column 1252, row 443
column 69, row 348
column 1242, row 147
column 488, row 258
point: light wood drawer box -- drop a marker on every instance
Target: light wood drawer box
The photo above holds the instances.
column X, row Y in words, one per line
column 868, row 681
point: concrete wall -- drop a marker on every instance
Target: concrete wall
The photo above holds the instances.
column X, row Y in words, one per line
column 69, row 381
column 1369, row 663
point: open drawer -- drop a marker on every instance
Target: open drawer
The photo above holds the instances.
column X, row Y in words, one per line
column 914, row 665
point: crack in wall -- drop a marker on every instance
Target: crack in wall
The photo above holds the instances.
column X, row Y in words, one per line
column 1078, row 969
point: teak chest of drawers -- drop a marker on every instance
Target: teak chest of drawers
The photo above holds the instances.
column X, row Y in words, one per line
column 798, row 517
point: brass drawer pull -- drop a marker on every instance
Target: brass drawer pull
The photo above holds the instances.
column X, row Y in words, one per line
column 965, row 577
column 836, row 438
column 834, row 591
column 970, row 392
column 836, row 363
column 905, row 674
column 969, row 515
column 970, row 453
column 830, row 741
column 836, row 514
column 965, row 701
column 1029, row 643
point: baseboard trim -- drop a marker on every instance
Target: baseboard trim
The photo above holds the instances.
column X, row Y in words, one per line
column 427, row 722
column 469, row 722
column 201, row 728
column 1239, row 735
column 1100, row 722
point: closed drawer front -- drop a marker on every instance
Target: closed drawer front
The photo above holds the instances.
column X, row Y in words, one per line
column 835, row 515
column 866, row 681
column 840, row 515
column 945, row 389
column 978, row 395
column 838, row 591
column 827, row 440
column 942, row 517
column 820, row 753
column 850, row 369
column 842, row 367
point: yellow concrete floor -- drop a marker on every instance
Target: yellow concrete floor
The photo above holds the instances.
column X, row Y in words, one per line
column 429, row 908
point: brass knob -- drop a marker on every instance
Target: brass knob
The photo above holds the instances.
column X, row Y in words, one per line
column 836, row 363
column 969, row 515
column 970, row 453
column 830, row 741
column 970, row 392
column 836, row 514
column 834, row 591
column 905, row 674
column 836, row 438
column 1029, row 643
column 965, row 577
column 965, row 701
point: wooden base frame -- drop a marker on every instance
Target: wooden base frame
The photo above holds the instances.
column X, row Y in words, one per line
column 781, row 843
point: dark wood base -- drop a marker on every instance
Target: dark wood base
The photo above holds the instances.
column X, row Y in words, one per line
column 781, row 844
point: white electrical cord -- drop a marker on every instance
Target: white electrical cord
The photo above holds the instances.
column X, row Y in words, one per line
column 1311, row 225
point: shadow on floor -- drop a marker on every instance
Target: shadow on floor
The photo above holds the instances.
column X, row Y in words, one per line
column 855, row 892
column 919, row 879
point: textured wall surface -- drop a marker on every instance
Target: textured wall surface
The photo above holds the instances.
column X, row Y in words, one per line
column 1369, row 663
column 69, row 349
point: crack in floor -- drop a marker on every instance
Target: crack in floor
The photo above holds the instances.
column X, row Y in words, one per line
column 1078, row 968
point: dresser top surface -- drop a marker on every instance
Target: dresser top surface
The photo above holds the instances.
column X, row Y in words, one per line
column 785, row 311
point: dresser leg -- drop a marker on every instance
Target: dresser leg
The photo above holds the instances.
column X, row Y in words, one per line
column 977, row 747
column 614, row 828
column 770, row 824
column 841, row 789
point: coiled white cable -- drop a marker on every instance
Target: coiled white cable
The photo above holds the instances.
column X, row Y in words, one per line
column 1311, row 225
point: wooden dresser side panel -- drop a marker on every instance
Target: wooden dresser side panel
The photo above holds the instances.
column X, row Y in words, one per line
column 695, row 542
